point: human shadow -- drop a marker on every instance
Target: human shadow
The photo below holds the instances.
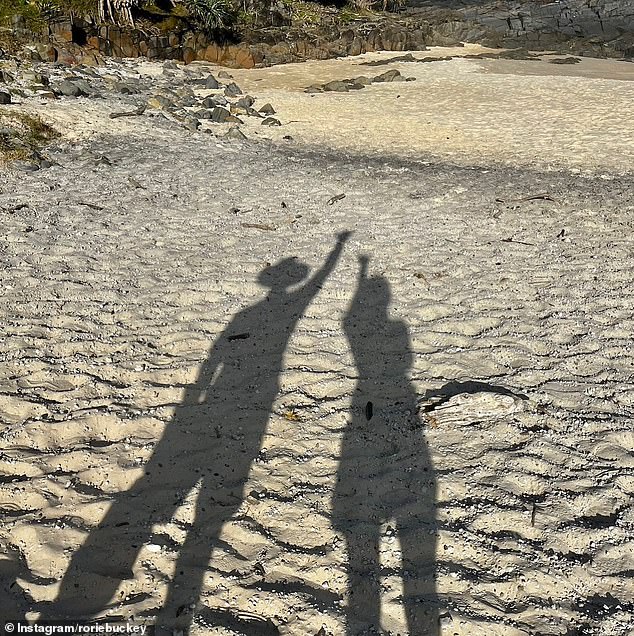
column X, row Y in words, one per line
column 212, row 440
column 385, row 473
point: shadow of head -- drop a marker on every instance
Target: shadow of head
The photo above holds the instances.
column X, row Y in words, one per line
column 377, row 292
column 285, row 274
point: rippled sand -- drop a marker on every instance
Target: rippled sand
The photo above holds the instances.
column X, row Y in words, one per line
column 128, row 268
column 512, row 112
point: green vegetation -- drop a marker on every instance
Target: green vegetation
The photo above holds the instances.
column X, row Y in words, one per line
column 28, row 10
column 211, row 15
column 37, row 12
column 304, row 12
column 22, row 135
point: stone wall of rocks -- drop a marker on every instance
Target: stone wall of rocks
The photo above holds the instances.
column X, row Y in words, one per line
column 602, row 27
column 84, row 42
column 593, row 27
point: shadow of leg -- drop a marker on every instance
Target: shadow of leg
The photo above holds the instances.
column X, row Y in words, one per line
column 108, row 555
column 193, row 561
column 418, row 549
column 364, row 585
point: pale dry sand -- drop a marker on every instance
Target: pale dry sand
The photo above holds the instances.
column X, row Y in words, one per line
column 529, row 113
column 109, row 315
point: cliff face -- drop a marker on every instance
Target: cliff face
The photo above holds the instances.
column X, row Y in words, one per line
column 543, row 23
column 600, row 28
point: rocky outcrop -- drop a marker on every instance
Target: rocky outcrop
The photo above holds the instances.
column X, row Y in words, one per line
column 603, row 28
column 598, row 27
column 82, row 42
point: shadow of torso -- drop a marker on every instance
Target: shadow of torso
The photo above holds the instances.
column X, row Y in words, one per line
column 385, row 472
column 211, row 441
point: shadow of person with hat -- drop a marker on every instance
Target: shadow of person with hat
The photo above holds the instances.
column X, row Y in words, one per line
column 214, row 436
column 385, row 481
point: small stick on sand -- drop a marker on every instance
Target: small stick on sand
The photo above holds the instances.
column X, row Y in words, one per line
column 259, row 226
column 533, row 197
column 336, row 198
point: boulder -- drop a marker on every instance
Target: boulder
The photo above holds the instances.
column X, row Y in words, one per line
column 232, row 90
column 390, row 76
column 211, row 82
column 235, row 133
column 267, row 109
column 219, row 114
column 336, row 86
column 245, row 102
column 69, row 89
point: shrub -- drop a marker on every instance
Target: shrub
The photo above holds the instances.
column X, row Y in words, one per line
column 211, row 15
column 22, row 135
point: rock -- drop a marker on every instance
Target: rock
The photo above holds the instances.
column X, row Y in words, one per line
column 47, row 52
column 192, row 123
column 220, row 100
column 235, row 133
column 83, row 85
column 211, row 82
column 238, row 110
column 224, row 75
column 65, row 57
column 336, row 86
column 158, row 102
column 314, row 88
column 203, row 114
column 220, row 115
column 517, row 54
column 90, row 58
column 69, row 89
column 390, row 76
column 362, row 79
column 210, row 102
column 254, row 113
column 271, row 121
column 267, row 109
column 245, row 102
column 124, row 88
column 26, row 166
column 5, row 97
column 36, row 78
column 184, row 91
column 565, row 60
column 232, row 90
column 189, row 55
column 410, row 79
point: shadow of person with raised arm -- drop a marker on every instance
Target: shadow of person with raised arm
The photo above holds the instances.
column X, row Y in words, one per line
column 212, row 440
column 385, row 473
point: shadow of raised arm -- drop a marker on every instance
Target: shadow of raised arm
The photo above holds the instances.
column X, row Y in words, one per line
column 314, row 284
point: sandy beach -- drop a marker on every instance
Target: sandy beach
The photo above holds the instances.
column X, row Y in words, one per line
column 369, row 371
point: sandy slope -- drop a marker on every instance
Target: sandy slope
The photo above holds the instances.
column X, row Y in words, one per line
column 110, row 314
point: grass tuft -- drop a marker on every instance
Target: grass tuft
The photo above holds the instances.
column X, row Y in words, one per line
column 23, row 135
